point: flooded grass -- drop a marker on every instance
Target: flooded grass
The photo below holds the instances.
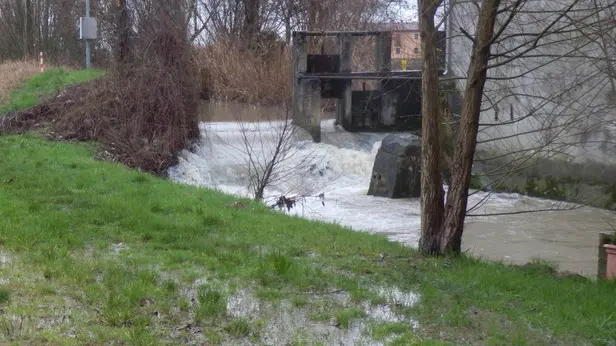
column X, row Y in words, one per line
column 93, row 253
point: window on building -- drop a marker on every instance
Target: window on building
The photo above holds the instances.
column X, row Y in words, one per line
column 417, row 36
column 416, row 50
column 397, row 43
column 397, row 40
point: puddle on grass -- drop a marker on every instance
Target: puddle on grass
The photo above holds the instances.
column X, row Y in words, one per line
column 46, row 322
column 4, row 259
column 396, row 296
column 382, row 313
column 286, row 324
column 16, row 326
column 191, row 291
column 283, row 323
column 242, row 304
column 118, row 247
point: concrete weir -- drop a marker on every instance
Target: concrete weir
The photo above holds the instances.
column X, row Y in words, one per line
column 394, row 105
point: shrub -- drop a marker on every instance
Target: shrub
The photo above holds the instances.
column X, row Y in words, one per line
column 144, row 111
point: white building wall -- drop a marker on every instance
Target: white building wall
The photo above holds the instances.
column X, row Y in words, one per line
column 557, row 93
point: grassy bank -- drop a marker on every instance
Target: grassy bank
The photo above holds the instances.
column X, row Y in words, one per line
column 142, row 116
column 29, row 93
column 13, row 73
column 94, row 253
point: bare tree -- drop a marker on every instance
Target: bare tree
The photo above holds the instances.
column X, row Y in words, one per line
column 282, row 166
column 266, row 152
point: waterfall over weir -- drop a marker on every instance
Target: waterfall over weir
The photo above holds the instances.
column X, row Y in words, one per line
column 340, row 168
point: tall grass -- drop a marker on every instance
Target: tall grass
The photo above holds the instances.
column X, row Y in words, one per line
column 231, row 73
column 13, row 73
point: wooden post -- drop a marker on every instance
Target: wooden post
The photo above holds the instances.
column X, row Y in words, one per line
column 604, row 238
column 345, row 45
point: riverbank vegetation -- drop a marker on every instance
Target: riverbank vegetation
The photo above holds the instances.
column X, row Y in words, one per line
column 261, row 75
column 143, row 110
column 95, row 253
column 92, row 252
column 37, row 85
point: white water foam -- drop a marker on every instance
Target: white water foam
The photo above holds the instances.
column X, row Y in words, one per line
column 339, row 167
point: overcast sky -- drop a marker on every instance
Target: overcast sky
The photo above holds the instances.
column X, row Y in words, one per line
column 405, row 12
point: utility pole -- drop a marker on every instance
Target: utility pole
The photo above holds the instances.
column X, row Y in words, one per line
column 88, row 32
column 88, row 50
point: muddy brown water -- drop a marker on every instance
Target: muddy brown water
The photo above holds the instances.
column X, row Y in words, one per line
column 568, row 239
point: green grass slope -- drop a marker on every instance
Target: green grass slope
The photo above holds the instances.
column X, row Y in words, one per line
column 53, row 80
column 93, row 253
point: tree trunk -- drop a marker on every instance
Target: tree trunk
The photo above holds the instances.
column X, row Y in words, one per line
column 46, row 18
column 124, row 29
column 431, row 181
column 288, row 15
column 251, row 25
column 457, row 197
column 29, row 29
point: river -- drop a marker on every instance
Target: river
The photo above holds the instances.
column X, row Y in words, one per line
column 340, row 168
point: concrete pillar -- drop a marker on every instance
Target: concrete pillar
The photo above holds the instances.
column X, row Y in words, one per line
column 383, row 51
column 312, row 108
column 299, row 65
column 306, row 92
column 389, row 103
column 345, row 45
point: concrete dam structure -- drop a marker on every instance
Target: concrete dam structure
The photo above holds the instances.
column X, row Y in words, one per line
column 551, row 92
column 393, row 105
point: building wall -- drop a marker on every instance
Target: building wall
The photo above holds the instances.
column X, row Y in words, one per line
column 405, row 45
column 547, row 102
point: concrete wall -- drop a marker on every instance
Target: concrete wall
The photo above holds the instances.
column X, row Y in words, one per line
column 555, row 100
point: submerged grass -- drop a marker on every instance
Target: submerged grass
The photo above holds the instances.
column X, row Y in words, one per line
column 53, row 80
column 101, row 254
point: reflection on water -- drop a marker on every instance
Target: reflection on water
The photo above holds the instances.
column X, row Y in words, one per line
column 340, row 167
